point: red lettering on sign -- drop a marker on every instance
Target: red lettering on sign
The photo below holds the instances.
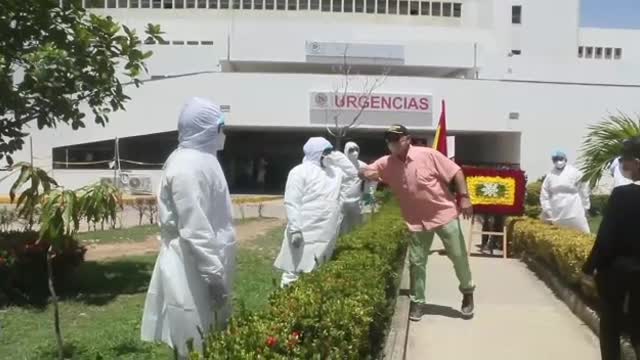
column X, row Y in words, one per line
column 363, row 102
column 351, row 101
column 375, row 102
column 413, row 104
column 424, row 104
column 397, row 103
column 340, row 101
column 386, row 103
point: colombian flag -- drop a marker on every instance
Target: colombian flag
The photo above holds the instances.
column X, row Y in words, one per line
column 440, row 141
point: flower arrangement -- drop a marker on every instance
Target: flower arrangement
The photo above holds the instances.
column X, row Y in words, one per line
column 496, row 191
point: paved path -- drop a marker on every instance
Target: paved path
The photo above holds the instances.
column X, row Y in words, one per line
column 517, row 317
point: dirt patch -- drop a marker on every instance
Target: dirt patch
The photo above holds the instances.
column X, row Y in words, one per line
column 244, row 233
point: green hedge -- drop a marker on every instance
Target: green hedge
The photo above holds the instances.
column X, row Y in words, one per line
column 342, row 310
column 562, row 250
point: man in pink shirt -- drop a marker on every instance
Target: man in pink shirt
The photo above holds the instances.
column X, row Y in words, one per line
column 419, row 177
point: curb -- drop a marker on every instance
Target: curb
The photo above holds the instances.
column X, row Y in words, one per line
column 396, row 344
column 575, row 303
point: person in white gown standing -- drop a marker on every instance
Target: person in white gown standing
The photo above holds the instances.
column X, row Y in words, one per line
column 190, row 288
column 313, row 199
column 564, row 196
column 361, row 191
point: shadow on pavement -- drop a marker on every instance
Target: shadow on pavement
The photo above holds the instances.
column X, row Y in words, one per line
column 439, row 310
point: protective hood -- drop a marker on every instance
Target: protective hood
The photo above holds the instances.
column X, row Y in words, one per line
column 313, row 149
column 353, row 157
column 199, row 125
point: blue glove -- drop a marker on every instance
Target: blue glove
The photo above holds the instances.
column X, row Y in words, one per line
column 367, row 199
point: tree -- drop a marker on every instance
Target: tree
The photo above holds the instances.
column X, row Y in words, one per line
column 339, row 123
column 58, row 61
column 99, row 203
column 603, row 144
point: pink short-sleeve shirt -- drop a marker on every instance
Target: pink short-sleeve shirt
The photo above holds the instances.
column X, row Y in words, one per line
column 421, row 184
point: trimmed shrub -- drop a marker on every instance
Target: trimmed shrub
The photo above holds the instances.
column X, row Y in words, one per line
column 341, row 310
column 563, row 250
column 23, row 266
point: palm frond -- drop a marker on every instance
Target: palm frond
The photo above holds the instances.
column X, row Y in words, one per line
column 603, row 144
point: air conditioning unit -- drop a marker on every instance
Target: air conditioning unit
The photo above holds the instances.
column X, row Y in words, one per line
column 131, row 184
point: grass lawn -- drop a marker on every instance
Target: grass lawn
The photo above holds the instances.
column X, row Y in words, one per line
column 101, row 316
column 133, row 234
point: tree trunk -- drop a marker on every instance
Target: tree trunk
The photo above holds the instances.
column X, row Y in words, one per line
column 54, row 300
column 338, row 142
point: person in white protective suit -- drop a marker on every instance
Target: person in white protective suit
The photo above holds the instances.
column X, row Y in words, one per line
column 190, row 288
column 564, row 196
column 616, row 171
column 361, row 191
column 313, row 199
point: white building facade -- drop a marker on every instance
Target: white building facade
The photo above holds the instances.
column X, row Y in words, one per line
column 520, row 80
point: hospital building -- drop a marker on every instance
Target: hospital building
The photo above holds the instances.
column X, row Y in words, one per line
column 520, row 78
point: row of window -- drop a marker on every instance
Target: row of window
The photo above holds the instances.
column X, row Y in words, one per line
column 593, row 52
column 401, row 7
column 151, row 41
column 516, row 14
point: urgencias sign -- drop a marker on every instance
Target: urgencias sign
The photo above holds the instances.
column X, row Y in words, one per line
column 377, row 109
column 371, row 102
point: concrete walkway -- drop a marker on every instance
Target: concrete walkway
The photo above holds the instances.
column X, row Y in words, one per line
column 517, row 317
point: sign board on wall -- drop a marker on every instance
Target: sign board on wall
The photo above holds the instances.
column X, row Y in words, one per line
column 378, row 109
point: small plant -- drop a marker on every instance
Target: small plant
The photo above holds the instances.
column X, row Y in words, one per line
column 99, row 203
column 141, row 207
column 7, row 219
column 29, row 201
column 151, row 207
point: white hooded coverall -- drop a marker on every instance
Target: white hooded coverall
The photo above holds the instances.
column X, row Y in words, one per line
column 192, row 277
column 352, row 208
column 565, row 199
column 313, row 201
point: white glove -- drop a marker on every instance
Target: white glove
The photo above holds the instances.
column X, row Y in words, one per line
column 297, row 240
column 218, row 293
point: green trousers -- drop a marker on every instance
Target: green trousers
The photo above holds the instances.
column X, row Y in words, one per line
column 454, row 244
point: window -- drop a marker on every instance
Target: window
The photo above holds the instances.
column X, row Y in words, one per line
column 191, row 4
column 134, row 4
column 348, row 6
column 202, row 4
column 193, row 43
column 589, row 52
column 337, row 5
column 224, row 4
column 404, row 7
column 304, row 4
column 415, row 8
column 617, row 53
column 326, row 5
column 436, row 8
column 149, row 41
column 177, row 42
column 359, row 6
column 580, row 51
column 457, row 10
column 236, row 4
column 315, row 5
column 111, row 4
column 145, row 4
column 165, row 42
column 516, row 14
column 516, row 52
column 246, row 4
column 446, row 9
column 206, row 42
column 382, row 6
column 425, row 8
column 156, row 4
column 122, row 4
column 168, row 4
column 371, row 6
column 393, row 7
column 94, row 4
column 292, row 5
column 608, row 53
column 598, row 53
column 179, row 4
column 213, row 4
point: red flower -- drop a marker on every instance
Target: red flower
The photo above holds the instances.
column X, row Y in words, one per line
column 294, row 340
column 272, row 341
column 296, row 335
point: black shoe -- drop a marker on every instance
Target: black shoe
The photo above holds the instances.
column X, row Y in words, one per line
column 415, row 312
column 467, row 306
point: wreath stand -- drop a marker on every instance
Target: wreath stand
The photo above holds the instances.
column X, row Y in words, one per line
column 502, row 234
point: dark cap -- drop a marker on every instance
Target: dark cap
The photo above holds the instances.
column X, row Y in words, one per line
column 396, row 131
column 631, row 148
